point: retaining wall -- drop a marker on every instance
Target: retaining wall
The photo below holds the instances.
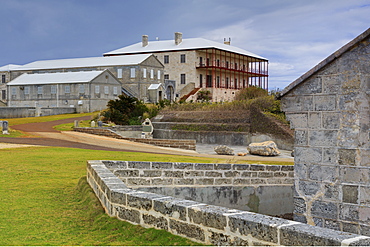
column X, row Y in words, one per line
column 198, row 221
column 220, row 137
column 173, row 143
column 21, row 112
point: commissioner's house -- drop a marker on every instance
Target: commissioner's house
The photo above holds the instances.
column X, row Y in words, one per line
column 199, row 64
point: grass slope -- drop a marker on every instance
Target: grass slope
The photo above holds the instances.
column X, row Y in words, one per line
column 41, row 203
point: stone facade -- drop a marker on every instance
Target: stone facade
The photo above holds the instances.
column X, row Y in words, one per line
column 203, row 65
column 329, row 109
column 199, row 221
column 135, row 77
column 81, row 95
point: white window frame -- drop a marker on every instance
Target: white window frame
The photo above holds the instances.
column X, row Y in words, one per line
column 115, row 91
column 81, row 88
column 27, row 90
column 132, row 73
column 106, row 90
column 151, row 74
column 14, row 91
column 40, row 90
column 67, row 89
column 53, row 89
column 97, row 89
column 159, row 75
column 144, row 72
column 119, row 73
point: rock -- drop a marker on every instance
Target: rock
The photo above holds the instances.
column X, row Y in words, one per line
column 242, row 154
column 224, row 150
column 292, row 154
column 267, row 148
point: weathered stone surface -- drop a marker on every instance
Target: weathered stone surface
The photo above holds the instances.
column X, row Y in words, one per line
column 184, row 229
column 224, row 150
column 267, row 148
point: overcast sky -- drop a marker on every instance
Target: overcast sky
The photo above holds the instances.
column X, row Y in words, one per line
column 293, row 35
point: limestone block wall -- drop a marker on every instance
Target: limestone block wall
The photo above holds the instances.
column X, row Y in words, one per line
column 330, row 113
column 198, row 221
column 173, row 143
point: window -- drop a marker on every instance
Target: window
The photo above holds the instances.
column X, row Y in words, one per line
column 115, row 90
column 152, row 74
column 14, row 91
column 227, row 64
column 166, row 76
column 159, row 75
column 183, row 79
column 182, row 58
column 53, row 89
column 3, row 96
column 106, row 89
column 67, row 89
column 144, row 73
column 218, row 81
column 3, row 78
column 40, row 90
column 166, row 59
column 26, row 90
column 132, row 73
column 81, row 89
column 119, row 73
column 97, row 89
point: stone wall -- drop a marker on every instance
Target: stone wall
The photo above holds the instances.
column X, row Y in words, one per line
column 329, row 109
column 173, row 143
column 198, row 221
column 21, row 112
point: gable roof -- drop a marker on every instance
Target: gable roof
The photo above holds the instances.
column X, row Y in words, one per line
column 325, row 62
column 55, row 78
column 186, row 44
column 84, row 62
column 9, row 67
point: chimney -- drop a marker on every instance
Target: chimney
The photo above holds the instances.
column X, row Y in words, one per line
column 178, row 38
column 227, row 42
column 144, row 40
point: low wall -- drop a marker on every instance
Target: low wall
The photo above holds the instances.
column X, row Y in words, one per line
column 198, row 221
column 173, row 143
column 221, row 137
column 21, row 112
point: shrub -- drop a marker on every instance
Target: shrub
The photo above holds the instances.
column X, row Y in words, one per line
column 125, row 110
column 251, row 92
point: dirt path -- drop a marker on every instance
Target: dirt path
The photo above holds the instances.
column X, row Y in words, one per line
column 47, row 136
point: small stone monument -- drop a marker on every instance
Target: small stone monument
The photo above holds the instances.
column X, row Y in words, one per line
column 93, row 124
column 5, row 126
column 100, row 124
column 147, row 129
column 76, row 123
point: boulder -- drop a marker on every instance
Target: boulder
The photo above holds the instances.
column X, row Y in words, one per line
column 267, row 148
column 224, row 150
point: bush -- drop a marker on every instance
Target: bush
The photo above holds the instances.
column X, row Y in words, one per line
column 251, row 92
column 124, row 111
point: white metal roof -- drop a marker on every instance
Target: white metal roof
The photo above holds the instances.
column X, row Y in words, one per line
column 9, row 67
column 186, row 44
column 154, row 86
column 55, row 78
column 84, row 62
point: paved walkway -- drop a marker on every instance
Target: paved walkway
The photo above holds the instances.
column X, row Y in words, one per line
column 47, row 136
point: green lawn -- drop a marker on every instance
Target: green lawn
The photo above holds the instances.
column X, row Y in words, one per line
column 45, row 200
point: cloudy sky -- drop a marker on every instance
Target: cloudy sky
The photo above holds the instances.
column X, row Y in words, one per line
column 294, row 35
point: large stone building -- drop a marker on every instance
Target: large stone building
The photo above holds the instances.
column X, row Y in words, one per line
column 200, row 64
column 329, row 109
column 86, row 91
column 136, row 73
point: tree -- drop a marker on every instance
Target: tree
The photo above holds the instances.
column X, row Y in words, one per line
column 125, row 110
